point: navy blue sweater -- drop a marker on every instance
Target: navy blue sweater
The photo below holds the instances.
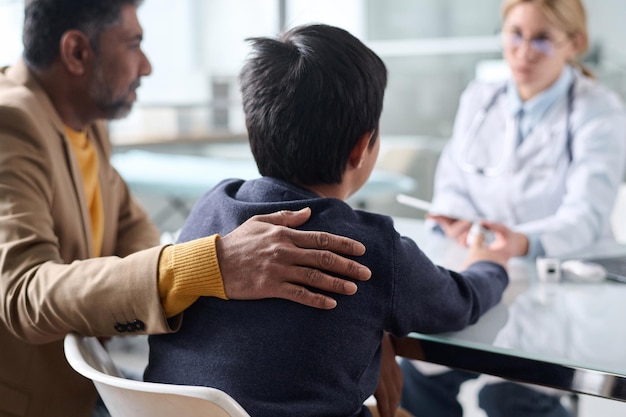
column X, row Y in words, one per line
column 279, row 358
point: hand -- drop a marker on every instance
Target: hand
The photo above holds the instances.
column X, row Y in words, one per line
column 505, row 245
column 453, row 228
column 389, row 389
column 516, row 244
column 265, row 258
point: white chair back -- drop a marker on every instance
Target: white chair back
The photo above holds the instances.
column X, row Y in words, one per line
column 128, row 398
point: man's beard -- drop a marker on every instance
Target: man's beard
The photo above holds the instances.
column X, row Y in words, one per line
column 110, row 107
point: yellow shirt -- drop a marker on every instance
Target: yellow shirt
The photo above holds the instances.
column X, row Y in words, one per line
column 187, row 271
column 87, row 159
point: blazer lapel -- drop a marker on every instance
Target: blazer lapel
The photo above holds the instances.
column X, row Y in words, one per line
column 20, row 74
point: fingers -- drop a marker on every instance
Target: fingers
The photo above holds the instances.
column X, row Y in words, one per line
column 320, row 250
column 292, row 287
column 478, row 241
column 289, row 283
column 314, row 278
column 260, row 260
column 308, row 239
column 286, row 217
column 264, row 259
column 315, row 240
column 496, row 227
column 326, row 261
column 326, row 241
column 301, row 295
column 458, row 230
column 461, row 239
column 295, row 288
column 521, row 244
column 515, row 244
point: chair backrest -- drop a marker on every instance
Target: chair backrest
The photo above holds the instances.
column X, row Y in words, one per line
column 128, row 398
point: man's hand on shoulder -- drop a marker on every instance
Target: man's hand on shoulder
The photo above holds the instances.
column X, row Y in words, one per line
column 266, row 258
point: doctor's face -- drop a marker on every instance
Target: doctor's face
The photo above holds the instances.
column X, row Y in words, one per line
column 534, row 49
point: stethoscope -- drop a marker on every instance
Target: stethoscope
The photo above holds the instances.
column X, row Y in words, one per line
column 511, row 129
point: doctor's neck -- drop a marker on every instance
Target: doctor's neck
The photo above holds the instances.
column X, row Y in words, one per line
column 527, row 92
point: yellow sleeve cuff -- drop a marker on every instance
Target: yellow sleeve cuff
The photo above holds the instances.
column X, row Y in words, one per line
column 188, row 271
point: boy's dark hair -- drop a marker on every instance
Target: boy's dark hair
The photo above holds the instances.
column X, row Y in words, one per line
column 308, row 96
column 45, row 22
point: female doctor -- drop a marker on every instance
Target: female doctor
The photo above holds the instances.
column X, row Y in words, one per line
column 541, row 154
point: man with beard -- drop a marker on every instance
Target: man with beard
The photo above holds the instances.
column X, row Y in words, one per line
column 77, row 253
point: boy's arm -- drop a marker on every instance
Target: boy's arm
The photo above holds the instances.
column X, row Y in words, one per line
column 431, row 299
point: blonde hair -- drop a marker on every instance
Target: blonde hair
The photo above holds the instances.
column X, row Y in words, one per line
column 566, row 15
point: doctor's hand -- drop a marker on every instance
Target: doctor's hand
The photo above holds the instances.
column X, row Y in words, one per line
column 479, row 251
column 453, row 228
column 506, row 240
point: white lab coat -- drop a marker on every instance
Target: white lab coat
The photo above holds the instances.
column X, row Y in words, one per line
column 564, row 203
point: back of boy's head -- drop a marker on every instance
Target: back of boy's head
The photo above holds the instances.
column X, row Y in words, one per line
column 308, row 96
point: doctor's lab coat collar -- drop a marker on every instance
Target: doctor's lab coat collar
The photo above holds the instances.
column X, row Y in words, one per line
column 535, row 108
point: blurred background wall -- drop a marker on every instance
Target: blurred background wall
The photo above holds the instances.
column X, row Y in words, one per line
column 432, row 49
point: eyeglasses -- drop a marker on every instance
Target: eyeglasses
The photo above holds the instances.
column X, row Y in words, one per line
column 540, row 44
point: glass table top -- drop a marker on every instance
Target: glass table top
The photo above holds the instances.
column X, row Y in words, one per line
column 576, row 326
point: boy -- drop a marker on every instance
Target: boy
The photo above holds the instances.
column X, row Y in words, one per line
column 313, row 100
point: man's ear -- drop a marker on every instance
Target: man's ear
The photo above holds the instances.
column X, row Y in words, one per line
column 75, row 51
column 360, row 150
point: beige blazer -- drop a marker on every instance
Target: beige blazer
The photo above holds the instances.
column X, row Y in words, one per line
column 48, row 284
